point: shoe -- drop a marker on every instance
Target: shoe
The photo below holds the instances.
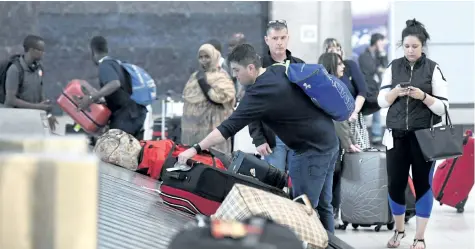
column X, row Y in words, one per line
column 395, row 241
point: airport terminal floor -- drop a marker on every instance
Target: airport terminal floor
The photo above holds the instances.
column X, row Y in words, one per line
column 446, row 229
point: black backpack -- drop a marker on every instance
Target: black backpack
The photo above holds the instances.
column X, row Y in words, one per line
column 4, row 66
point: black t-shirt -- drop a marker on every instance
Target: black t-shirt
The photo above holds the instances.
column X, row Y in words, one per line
column 110, row 70
column 285, row 108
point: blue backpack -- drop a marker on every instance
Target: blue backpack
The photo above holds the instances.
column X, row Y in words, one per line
column 325, row 90
column 144, row 90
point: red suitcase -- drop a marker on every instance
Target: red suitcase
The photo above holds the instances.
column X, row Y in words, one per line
column 90, row 120
column 454, row 178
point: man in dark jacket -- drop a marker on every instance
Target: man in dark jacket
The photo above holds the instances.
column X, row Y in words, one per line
column 268, row 144
column 373, row 62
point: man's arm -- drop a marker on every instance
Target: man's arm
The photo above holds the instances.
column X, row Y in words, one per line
column 12, row 85
column 110, row 78
column 256, row 131
column 252, row 107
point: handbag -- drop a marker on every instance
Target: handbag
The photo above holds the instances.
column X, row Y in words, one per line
column 244, row 202
column 441, row 142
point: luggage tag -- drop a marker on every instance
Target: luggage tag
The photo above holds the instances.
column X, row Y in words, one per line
column 388, row 140
column 179, row 167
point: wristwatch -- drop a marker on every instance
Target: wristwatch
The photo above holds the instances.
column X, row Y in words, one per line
column 197, row 147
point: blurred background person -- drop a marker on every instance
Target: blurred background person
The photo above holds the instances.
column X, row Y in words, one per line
column 373, row 62
column 209, row 98
column 354, row 80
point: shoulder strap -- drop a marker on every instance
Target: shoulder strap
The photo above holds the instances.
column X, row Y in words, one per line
column 21, row 71
column 205, row 87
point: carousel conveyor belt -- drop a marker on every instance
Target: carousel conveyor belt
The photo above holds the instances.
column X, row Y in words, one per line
column 132, row 216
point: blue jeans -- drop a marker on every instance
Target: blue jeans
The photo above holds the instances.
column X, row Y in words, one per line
column 376, row 129
column 280, row 156
column 312, row 174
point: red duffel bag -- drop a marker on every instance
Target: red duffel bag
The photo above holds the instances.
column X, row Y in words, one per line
column 157, row 156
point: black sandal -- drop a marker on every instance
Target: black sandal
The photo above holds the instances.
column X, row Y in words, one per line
column 395, row 241
column 416, row 241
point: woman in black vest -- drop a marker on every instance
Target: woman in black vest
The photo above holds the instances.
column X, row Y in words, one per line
column 415, row 91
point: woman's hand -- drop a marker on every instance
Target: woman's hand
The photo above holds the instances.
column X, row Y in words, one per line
column 416, row 93
column 354, row 148
column 400, row 91
column 353, row 117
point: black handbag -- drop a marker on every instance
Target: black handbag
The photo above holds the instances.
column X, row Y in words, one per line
column 441, row 142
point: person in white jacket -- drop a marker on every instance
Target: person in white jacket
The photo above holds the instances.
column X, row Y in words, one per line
column 415, row 90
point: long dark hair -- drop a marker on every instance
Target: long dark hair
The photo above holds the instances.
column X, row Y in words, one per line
column 330, row 62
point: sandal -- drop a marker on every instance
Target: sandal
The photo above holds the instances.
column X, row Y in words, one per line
column 417, row 241
column 395, row 241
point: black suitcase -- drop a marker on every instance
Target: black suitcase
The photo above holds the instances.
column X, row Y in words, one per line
column 201, row 189
column 251, row 165
column 253, row 233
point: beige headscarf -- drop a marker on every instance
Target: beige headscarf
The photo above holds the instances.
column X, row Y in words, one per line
column 213, row 54
column 217, row 78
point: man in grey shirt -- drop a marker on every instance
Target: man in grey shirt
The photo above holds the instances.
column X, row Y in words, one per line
column 24, row 80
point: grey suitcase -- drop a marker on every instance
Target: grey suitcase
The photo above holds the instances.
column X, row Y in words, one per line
column 364, row 190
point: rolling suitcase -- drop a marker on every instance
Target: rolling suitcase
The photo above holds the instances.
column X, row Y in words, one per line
column 252, row 165
column 454, row 178
column 92, row 119
column 201, row 189
column 364, row 190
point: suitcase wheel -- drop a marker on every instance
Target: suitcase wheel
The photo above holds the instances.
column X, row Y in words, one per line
column 343, row 227
column 460, row 210
column 390, row 226
column 355, row 226
column 377, row 228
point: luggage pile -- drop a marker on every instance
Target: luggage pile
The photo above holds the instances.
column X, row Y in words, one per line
column 237, row 190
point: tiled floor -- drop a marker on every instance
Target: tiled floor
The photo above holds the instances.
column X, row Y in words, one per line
column 447, row 229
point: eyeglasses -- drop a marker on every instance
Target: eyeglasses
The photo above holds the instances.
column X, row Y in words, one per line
column 277, row 22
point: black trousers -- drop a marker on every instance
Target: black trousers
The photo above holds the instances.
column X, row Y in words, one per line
column 129, row 122
column 336, row 200
column 405, row 153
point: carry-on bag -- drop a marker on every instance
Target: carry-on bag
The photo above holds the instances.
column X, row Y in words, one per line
column 245, row 201
column 201, row 189
column 364, row 190
column 119, row 148
column 251, row 165
column 157, row 156
column 253, row 233
column 94, row 118
column 454, row 178
column 325, row 90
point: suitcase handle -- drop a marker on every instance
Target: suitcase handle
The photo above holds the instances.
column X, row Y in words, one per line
column 303, row 199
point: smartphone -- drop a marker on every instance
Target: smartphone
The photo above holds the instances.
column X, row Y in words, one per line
column 404, row 85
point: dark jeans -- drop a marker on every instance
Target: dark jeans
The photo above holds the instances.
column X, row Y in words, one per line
column 312, row 174
column 129, row 122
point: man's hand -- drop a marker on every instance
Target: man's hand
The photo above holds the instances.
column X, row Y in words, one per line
column 185, row 155
column 52, row 123
column 84, row 102
column 46, row 105
column 264, row 149
column 400, row 91
column 354, row 148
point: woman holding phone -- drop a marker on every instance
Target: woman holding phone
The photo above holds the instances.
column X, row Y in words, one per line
column 415, row 90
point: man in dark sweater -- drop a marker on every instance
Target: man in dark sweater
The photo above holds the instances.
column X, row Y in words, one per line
column 283, row 107
column 267, row 143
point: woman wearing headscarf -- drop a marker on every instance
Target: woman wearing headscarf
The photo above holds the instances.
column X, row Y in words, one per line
column 209, row 98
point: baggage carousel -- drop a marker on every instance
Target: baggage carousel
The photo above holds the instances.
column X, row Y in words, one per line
column 131, row 216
